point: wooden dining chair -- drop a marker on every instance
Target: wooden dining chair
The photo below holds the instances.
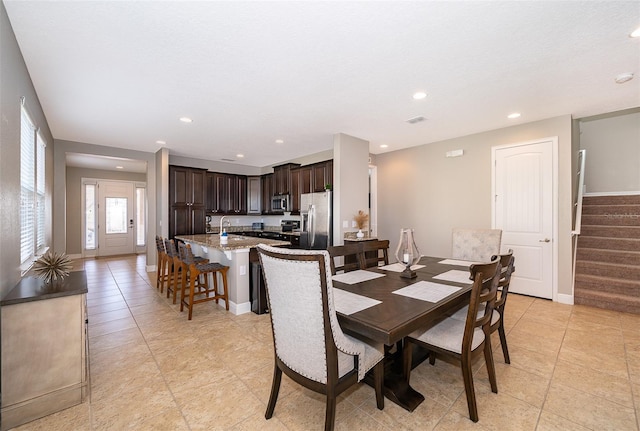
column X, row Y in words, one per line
column 375, row 253
column 309, row 344
column 161, row 263
column 507, row 264
column 463, row 340
column 475, row 245
column 345, row 258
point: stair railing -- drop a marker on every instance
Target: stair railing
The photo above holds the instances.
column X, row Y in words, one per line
column 577, row 221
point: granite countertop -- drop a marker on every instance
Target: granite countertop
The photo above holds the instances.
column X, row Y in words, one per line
column 34, row 289
column 235, row 242
column 351, row 236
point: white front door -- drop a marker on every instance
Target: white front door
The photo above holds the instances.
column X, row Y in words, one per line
column 115, row 218
column 523, row 183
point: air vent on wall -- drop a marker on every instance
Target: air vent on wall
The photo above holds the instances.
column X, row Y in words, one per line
column 228, row 160
column 415, row 120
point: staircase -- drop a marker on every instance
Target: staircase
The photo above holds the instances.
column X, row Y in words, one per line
column 608, row 254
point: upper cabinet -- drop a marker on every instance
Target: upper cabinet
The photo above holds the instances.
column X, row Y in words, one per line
column 226, row 193
column 322, row 176
column 283, row 178
column 254, row 192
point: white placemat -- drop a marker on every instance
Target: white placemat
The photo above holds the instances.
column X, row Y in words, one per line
column 399, row 267
column 358, row 276
column 455, row 275
column 457, row 262
column 349, row 303
column 427, row 291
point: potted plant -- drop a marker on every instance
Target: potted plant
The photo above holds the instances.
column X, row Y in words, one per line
column 361, row 221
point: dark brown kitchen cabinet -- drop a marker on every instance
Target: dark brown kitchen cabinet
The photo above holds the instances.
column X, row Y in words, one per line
column 268, row 187
column 322, row 175
column 254, row 192
column 305, row 177
column 226, row 193
column 187, row 197
column 295, row 191
column 283, row 178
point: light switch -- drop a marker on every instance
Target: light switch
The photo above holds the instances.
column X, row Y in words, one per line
column 243, row 269
column 353, row 223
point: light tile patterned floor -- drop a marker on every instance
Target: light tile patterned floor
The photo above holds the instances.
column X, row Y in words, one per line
column 572, row 368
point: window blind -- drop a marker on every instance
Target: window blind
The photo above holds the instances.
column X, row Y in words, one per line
column 27, row 187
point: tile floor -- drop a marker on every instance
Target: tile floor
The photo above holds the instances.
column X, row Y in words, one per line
column 572, row 368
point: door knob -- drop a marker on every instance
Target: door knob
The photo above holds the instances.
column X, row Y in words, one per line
column 544, row 240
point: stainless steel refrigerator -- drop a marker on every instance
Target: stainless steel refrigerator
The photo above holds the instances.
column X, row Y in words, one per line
column 317, row 226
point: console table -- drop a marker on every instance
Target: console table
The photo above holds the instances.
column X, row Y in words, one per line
column 44, row 360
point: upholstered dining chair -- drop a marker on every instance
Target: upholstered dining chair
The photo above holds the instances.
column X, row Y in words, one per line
column 161, row 262
column 463, row 340
column 375, row 253
column 309, row 344
column 507, row 263
column 475, row 245
column 345, row 258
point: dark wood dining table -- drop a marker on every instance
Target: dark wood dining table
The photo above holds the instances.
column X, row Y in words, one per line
column 398, row 316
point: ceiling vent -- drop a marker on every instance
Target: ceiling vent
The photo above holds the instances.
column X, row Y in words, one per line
column 227, row 160
column 415, row 120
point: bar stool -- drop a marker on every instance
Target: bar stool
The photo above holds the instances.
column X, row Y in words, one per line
column 195, row 281
column 161, row 272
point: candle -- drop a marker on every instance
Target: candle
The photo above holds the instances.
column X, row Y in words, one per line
column 405, row 258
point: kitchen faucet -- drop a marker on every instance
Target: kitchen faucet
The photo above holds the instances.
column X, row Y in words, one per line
column 222, row 224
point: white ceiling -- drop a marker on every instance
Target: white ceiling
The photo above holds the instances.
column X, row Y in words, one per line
column 121, row 73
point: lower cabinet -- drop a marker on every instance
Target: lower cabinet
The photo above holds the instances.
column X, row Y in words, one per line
column 45, row 359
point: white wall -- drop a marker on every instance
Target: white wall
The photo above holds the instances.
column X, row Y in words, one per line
column 613, row 152
column 420, row 188
column 350, row 182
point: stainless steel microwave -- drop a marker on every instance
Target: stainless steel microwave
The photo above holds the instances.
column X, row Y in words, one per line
column 280, row 203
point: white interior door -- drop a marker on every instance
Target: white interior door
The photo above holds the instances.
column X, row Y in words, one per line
column 523, row 181
column 115, row 218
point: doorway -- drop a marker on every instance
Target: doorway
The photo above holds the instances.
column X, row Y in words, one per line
column 524, row 183
column 114, row 217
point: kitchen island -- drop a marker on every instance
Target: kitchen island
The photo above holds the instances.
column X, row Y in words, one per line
column 236, row 254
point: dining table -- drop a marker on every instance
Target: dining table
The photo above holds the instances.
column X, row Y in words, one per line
column 380, row 305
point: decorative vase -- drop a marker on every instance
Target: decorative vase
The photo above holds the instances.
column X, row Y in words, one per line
column 360, row 234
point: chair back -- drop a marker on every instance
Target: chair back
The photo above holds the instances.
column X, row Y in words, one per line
column 170, row 248
column 185, row 254
column 375, row 253
column 475, row 245
column 507, row 262
column 159, row 244
column 348, row 256
column 485, row 285
column 306, row 332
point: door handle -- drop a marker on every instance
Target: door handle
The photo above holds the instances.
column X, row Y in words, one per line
column 544, row 240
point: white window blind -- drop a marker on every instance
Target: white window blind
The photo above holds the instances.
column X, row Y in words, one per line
column 32, row 188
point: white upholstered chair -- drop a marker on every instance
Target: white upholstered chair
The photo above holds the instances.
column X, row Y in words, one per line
column 463, row 339
column 309, row 344
column 475, row 245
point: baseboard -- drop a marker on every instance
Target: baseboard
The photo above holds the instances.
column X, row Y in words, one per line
column 236, row 309
column 563, row 298
column 75, row 256
column 151, row 268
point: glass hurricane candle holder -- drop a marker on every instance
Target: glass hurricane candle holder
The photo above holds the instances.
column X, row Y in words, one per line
column 407, row 252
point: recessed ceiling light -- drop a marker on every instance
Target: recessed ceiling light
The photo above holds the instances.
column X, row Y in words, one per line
column 161, row 142
column 119, row 167
column 624, row 77
column 419, row 95
column 514, row 115
column 635, row 33
column 239, row 156
column 384, row 146
column 186, row 120
column 279, row 141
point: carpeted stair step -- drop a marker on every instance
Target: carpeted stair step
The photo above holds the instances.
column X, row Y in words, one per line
column 610, row 220
column 611, row 200
column 610, row 270
column 609, row 243
column 631, row 232
column 631, row 211
column 609, row 301
column 617, row 286
column 608, row 256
